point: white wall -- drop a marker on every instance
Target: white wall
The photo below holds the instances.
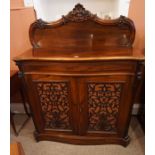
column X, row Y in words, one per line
column 50, row 10
column 123, row 7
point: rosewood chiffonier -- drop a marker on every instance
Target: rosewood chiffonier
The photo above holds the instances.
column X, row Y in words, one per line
column 80, row 77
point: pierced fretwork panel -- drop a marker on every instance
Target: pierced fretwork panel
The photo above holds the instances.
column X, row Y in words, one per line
column 54, row 100
column 103, row 105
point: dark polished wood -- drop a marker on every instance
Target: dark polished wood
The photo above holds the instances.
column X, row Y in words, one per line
column 16, row 86
column 141, row 98
column 82, row 30
column 80, row 78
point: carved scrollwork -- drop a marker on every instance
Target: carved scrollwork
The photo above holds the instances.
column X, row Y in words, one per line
column 103, row 104
column 125, row 27
column 78, row 14
column 122, row 20
column 54, row 100
column 126, row 23
column 40, row 24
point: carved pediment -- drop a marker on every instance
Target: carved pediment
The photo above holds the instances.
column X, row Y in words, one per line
column 78, row 14
column 62, row 34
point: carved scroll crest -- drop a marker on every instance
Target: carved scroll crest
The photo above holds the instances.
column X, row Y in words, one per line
column 78, row 14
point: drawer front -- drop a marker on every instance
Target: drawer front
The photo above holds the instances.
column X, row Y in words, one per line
column 80, row 67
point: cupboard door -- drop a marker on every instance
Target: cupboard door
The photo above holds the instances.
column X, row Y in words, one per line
column 105, row 104
column 52, row 103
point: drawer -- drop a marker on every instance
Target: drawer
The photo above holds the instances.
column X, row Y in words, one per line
column 79, row 67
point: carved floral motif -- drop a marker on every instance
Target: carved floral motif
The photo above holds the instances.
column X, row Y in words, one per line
column 78, row 14
column 54, row 100
column 103, row 104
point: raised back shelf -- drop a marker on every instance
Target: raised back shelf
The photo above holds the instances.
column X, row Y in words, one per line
column 80, row 30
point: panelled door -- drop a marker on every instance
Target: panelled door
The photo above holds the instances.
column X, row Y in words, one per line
column 102, row 102
column 53, row 102
column 81, row 105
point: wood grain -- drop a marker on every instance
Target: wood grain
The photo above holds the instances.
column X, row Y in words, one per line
column 84, row 53
column 16, row 149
